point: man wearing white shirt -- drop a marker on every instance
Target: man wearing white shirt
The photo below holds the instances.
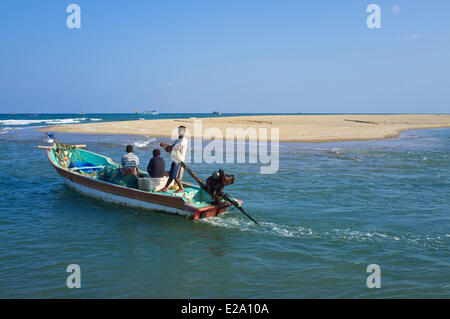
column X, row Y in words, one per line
column 178, row 154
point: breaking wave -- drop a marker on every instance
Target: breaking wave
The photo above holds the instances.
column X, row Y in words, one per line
column 47, row 121
column 142, row 144
column 5, row 130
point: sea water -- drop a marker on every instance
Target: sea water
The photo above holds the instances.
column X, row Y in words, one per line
column 331, row 210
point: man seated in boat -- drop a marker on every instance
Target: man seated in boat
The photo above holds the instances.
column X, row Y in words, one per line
column 129, row 162
column 157, row 166
column 178, row 155
column 157, row 171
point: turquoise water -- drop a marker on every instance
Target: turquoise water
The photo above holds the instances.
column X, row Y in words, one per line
column 330, row 211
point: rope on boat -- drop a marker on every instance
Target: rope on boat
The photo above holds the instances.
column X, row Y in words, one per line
column 66, row 152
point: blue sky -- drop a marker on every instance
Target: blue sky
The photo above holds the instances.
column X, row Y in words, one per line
column 231, row 56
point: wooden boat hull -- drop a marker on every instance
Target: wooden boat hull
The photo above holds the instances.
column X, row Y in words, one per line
column 135, row 203
column 132, row 197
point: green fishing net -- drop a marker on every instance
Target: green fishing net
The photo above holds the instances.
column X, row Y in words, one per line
column 112, row 175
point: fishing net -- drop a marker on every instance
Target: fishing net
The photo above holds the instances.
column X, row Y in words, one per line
column 113, row 175
column 70, row 157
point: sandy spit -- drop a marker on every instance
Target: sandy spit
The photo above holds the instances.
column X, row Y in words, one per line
column 292, row 128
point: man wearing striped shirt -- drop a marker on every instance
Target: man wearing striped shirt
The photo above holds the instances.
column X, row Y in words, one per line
column 129, row 162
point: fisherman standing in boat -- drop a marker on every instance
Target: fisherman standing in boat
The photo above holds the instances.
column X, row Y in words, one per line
column 178, row 155
column 129, row 162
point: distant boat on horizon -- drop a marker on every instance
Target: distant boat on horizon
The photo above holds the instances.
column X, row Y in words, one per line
column 218, row 113
column 147, row 112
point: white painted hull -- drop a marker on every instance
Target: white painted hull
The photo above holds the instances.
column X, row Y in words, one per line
column 123, row 200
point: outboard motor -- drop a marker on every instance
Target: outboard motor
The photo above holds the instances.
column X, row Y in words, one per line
column 217, row 182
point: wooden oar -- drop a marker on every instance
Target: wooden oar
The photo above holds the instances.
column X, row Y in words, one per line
column 74, row 146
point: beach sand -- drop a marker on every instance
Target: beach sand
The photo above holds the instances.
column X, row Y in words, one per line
column 292, row 128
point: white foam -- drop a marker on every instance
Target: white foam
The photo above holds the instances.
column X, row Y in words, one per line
column 5, row 130
column 263, row 227
column 337, row 150
column 46, row 121
column 284, row 231
column 142, row 143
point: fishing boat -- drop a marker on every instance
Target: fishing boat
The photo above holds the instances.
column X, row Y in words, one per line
column 153, row 112
column 82, row 171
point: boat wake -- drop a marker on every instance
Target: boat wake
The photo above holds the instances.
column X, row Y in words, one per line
column 263, row 227
column 333, row 235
